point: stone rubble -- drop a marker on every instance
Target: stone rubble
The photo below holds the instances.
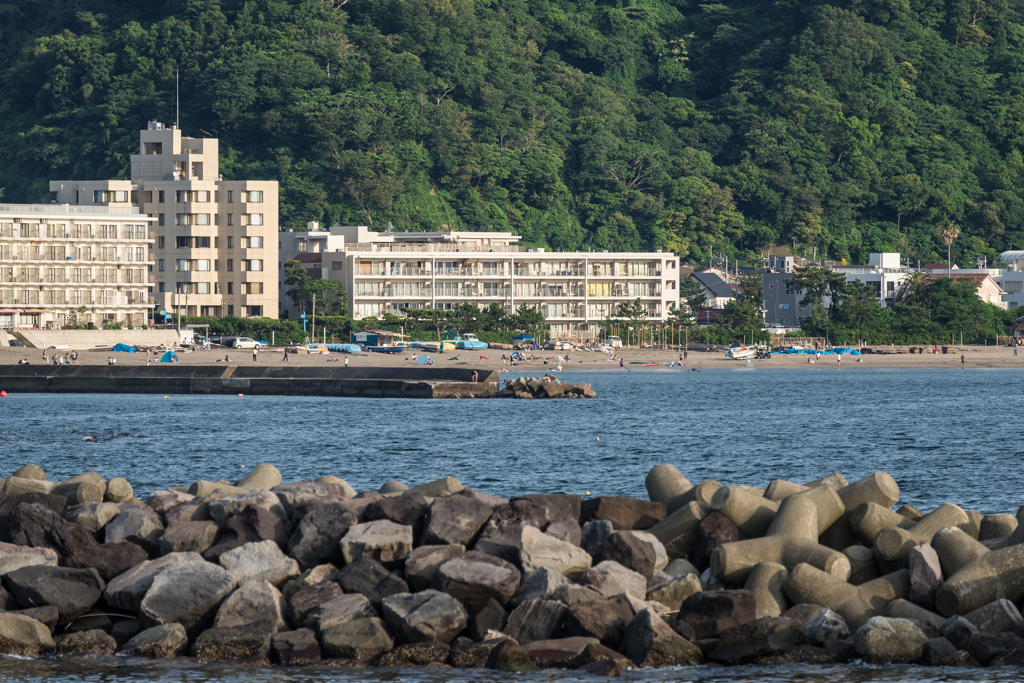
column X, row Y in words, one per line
column 439, row 575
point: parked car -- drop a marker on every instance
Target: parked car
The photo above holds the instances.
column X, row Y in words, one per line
column 774, row 328
column 246, row 343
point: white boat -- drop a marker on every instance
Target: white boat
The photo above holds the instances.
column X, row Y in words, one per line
column 742, row 352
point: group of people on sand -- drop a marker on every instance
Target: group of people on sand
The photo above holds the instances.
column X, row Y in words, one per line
column 70, row 358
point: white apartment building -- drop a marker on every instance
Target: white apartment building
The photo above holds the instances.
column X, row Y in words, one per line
column 56, row 259
column 385, row 272
column 216, row 246
column 1012, row 279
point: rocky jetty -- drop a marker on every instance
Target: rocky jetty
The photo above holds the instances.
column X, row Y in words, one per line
column 547, row 386
column 313, row 573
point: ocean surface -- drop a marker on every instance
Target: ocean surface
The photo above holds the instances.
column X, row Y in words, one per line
column 945, row 436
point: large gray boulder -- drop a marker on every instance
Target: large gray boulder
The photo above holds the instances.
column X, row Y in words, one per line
column 536, row 620
column 316, row 539
column 502, row 535
column 338, row 611
column 295, row 648
column 109, row 559
column 307, row 599
column 675, row 590
column 36, row 526
column 382, row 540
column 15, row 557
column 409, row 509
column 825, row 627
column 650, row 642
column 257, row 605
column 221, row 508
column 419, row 617
column 138, row 525
column 187, row 593
column 314, row 575
column 159, row 642
column 93, row 516
column 237, row 642
column 474, row 578
column 611, row 578
column 628, row 550
column 540, row 550
column 539, row 584
column 262, row 561
column 925, row 575
column 359, row 639
column 249, row 525
column 92, row 642
column 189, row 537
column 370, row 578
column 295, row 494
column 595, row 534
column 127, row 590
column 165, row 500
column 422, row 562
column 72, row 591
column 20, row 635
column 883, row 640
column 604, row 619
column 455, row 519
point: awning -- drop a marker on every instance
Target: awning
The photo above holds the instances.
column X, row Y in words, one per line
column 11, row 310
column 36, row 310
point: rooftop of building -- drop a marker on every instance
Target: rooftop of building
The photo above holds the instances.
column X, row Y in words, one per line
column 713, row 283
column 70, row 211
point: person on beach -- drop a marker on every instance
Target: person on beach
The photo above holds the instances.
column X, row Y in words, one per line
column 622, row 365
column 346, row 361
column 476, row 377
column 839, row 359
column 255, row 350
column 961, row 361
column 286, row 354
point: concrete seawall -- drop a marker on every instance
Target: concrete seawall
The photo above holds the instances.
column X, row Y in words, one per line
column 83, row 340
column 232, row 379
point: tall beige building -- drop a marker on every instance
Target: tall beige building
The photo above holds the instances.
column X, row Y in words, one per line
column 216, row 244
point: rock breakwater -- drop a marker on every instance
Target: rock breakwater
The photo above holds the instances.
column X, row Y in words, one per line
column 307, row 573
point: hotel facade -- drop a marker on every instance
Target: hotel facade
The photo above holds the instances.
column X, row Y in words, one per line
column 62, row 263
column 386, row 272
column 215, row 241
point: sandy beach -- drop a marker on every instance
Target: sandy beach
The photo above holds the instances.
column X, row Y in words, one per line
column 490, row 359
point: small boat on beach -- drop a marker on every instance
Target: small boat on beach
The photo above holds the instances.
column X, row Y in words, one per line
column 471, row 343
column 741, row 352
column 386, row 349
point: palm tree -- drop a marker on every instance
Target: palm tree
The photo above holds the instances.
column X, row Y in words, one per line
column 910, row 288
column 948, row 233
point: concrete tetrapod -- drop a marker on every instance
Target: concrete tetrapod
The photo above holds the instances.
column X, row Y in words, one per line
column 994, row 575
column 792, row 539
column 665, row 482
column 752, row 514
column 780, row 488
column 893, row 544
column 855, row 604
column 678, row 531
column 701, row 493
column 766, row 581
column 956, row 549
column 878, row 488
column 870, row 518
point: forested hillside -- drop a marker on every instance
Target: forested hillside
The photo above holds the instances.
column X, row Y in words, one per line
column 858, row 126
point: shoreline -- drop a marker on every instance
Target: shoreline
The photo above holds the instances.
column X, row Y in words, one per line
column 490, row 359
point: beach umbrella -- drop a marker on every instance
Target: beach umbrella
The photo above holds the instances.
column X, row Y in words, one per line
column 522, row 337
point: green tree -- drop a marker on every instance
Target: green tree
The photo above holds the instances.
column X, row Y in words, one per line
column 329, row 295
column 816, row 284
column 859, row 309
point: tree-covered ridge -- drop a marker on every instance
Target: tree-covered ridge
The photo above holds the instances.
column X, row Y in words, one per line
column 851, row 127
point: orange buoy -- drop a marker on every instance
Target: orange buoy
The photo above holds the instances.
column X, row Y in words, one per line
column 3, row 394
column 241, row 395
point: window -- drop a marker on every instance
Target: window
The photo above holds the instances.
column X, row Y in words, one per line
column 160, row 265
column 216, row 288
column 252, row 264
column 252, row 196
column 252, row 288
column 253, row 242
column 231, row 288
column 102, row 196
column 231, row 267
column 161, row 200
column 202, row 287
column 255, row 311
column 1012, row 286
column 230, row 215
column 202, row 218
column 231, row 309
column 230, row 201
column 337, row 265
column 159, row 286
column 192, row 242
column 160, row 221
column 160, row 243
column 202, row 264
column 253, row 218
column 216, row 242
column 181, row 265
column 784, row 307
column 230, row 242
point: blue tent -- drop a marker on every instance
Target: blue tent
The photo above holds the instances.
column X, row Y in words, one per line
column 170, row 357
column 424, row 360
column 123, row 347
column 522, row 337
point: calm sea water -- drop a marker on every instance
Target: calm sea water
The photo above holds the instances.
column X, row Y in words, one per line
column 945, row 435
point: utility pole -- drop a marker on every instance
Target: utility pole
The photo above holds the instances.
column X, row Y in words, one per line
column 312, row 332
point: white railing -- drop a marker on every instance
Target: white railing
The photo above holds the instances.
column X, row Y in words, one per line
column 67, row 208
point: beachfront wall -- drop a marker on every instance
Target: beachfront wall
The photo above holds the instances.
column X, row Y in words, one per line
column 388, row 272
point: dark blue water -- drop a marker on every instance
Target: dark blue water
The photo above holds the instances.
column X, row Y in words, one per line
column 945, row 435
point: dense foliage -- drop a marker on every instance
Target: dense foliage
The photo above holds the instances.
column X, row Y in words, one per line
column 857, row 126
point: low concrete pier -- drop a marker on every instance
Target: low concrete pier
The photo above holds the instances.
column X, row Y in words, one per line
column 165, row 378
